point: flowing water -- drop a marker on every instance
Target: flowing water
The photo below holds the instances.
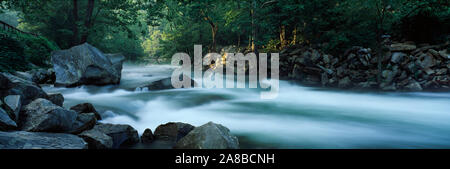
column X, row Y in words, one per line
column 301, row 117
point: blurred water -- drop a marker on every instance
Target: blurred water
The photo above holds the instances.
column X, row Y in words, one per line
column 300, row 117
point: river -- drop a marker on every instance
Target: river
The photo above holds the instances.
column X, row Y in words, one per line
column 301, row 117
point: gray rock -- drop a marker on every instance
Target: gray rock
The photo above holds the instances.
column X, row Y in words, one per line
column 14, row 85
column 32, row 140
column 97, row 139
column 397, row 57
column 84, row 64
column 165, row 83
column 117, row 61
column 172, row 131
column 86, row 108
column 414, row 86
column 84, row 121
column 43, row 76
column 56, row 98
column 121, row 134
column 43, row 116
column 401, row 47
column 147, row 136
column 209, row 136
column 345, row 82
column 6, row 123
column 14, row 104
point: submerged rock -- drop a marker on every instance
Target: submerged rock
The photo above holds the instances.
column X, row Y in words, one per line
column 43, row 116
column 209, row 136
column 86, row 108
column 172, row 132
column 32, row 140
column 121, row 134
column 84, row 64
column 166, row 83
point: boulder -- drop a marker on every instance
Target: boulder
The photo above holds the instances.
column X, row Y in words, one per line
column 414, row 86
column 172, row 131
column 397, row 57
column 56, row 98
column 84, row 64
column 32, row 140
column 209, row 136
column 147, row 136
column 13, row 103
column 43, row 116
column 43, row 76
column 121, row 134
column 84, row 121
column 97, row 139
column 6, row 123
column 116, row 61
column 13, row 85
column 86, row 108
column 345, row 82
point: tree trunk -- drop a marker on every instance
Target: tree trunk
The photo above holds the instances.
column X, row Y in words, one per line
column 294, row 39
column 87, row 22
column 283, row 40
column 252, row 12
column 75, row 26
column 214, row 29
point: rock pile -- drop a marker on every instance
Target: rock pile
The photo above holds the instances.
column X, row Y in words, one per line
column 405, row 66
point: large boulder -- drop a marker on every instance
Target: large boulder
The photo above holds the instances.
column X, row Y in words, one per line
column 117, row 61
column 32, row 140
column 43, row 116
column 97, row 140
column 121, row 134
column 6, row 123
column 43, row 76
column 172, row 132
column 209, row 136
column 86, row 108
column 147, row 136
column 84, row 64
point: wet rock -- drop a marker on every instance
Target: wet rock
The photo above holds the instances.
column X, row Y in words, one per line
column 56, row 98
column 43, row 116
column 32, row 140
column 209, row 136
column 398, row 57
column 166, row 83
column 13, row 104
column 116, row 61
column 97, row 139
column 27, row 90
column 43, row 76
column 121, row 134
column 172, row 131
column 388, row 76
column 84, row 64
column 147, row 136
column 84, row 121
column 86, row 108
column 6, row 123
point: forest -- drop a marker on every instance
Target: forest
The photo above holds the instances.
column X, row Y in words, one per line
column 153, row 30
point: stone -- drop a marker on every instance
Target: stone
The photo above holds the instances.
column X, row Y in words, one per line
column 147, row 136
column 402, row 47
column 116, row 61
column 344, row 82
column 388, row 76
column 56, row 98
column 43, row 76
column 84, row 121
column 209, row 136
column 429, row 71
column 43, row 116
column 414, row 86
column 121, row 134
column 33, row 140
column 27, row 90
column 172, row 131
column 6, row 123
column 166, row 83
column 14, row 104
column 86, row 108
column 97, row 139
column 84, row 65
column 397, row 57
column 427, row 61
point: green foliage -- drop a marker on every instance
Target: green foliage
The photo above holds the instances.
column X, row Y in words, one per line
column 18, row 50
